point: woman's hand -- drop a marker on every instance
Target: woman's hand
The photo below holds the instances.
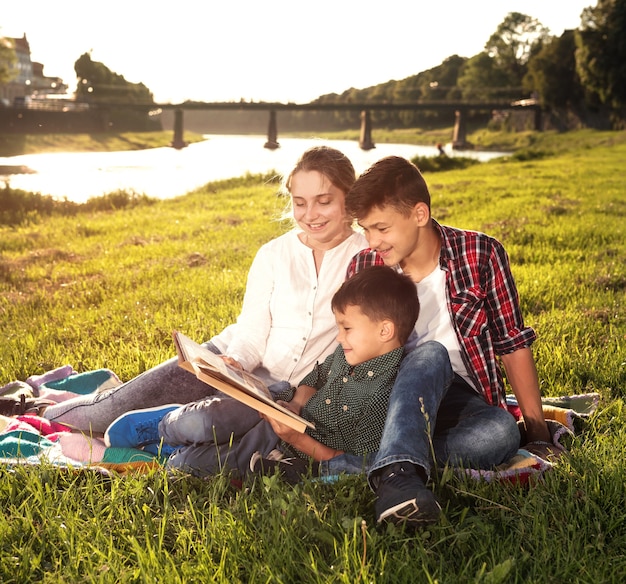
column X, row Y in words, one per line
column 232, row 362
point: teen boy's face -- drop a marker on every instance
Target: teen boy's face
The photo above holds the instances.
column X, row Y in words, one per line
column 359, row 336
column 393, row 235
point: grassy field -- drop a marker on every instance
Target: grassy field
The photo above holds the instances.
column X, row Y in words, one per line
column 105, row 288
column 14, row 144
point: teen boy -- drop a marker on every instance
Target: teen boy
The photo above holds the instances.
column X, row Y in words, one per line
column 469, row 303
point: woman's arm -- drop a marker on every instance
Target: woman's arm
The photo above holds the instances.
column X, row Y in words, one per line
column 255, row 320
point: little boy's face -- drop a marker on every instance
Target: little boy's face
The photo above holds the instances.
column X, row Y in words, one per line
column 359, row 336
column 393, row 235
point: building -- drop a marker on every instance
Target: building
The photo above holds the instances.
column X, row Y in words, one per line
column 30, row 81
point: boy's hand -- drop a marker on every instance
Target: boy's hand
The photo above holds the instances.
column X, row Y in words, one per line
column 546, row 450
column 283, row 431
column 302, row 395
column 289, row 406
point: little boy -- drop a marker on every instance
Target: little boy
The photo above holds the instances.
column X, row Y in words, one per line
column 345, row 397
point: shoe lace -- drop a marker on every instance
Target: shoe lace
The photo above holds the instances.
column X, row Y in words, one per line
column 147, row 429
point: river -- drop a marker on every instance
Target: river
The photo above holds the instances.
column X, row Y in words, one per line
column 166, row 172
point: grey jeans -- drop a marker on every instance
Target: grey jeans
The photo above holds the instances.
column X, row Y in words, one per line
column 164, row 384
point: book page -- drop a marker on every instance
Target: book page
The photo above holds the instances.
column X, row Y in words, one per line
column 196, row 354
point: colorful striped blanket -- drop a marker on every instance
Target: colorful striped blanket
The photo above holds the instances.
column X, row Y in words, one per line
column 27, row 438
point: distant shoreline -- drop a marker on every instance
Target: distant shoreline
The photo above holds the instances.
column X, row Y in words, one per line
column 7, row 170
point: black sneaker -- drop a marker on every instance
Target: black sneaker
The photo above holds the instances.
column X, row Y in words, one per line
column 18, row 405
column 291, row 470
column 403, row 498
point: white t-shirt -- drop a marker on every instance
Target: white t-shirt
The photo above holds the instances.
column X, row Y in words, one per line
column 286, row 323
column 435, row 323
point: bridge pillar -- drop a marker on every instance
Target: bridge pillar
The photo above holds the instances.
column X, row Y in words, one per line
column 178, row 141
column 272, row 133
column 538, row 119
column 365, row 140
column 459, row 136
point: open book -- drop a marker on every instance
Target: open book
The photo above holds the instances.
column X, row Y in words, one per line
column 242, row 386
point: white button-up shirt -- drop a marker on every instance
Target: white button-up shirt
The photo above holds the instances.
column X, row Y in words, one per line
column 286, row 323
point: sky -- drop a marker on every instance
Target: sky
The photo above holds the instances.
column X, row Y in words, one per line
column 264, row 50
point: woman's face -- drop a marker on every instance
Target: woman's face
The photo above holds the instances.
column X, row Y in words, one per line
column 318, row 206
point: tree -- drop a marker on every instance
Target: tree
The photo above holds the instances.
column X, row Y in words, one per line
column 552, row 73
column 7, row 60
column 111, row 95
column 97, row 83
column 601, row 51
column 482, row 79
column 515, row 40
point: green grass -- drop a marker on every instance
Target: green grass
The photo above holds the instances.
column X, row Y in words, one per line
column 105, row 288
column 14, row 144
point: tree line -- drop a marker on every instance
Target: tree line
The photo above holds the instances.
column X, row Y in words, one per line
column 580, row 72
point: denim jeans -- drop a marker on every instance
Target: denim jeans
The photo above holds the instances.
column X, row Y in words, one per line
column 435, row 416
column 164, row 384
column 218, row 419
column 210, row 458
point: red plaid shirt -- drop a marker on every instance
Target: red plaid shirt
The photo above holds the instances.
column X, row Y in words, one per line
column 483, row 301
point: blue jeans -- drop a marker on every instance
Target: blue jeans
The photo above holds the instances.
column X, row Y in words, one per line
column 217, row 419
column 435, row 416
column 206, row 459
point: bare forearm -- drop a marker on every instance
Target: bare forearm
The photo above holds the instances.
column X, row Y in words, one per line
column 302, row 395
column 313, row 448
column 522, row 375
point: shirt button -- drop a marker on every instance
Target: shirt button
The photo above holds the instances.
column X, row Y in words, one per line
column 345, row 380
column 370, row 374
column 328, row 400
column 345, row 408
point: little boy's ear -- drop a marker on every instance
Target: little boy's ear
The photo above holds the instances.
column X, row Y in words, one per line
column 387, row 330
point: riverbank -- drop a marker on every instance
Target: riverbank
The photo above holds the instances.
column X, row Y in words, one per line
column 550, row 142
column 17, row 144
column 13, row 145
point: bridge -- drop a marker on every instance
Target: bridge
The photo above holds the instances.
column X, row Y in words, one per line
column 70, row 108
column 460, row 110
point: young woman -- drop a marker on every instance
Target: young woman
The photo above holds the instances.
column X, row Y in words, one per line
column 286, row 322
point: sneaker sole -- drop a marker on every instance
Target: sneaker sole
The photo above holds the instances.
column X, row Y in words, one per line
column 409, row 513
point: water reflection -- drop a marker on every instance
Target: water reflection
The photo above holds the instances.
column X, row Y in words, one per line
column 166, row 172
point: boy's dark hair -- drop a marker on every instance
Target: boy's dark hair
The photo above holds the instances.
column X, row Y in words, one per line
column 392, row 181
column 381, row 293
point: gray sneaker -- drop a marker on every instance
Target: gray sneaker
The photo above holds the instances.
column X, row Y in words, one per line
column 403, row 498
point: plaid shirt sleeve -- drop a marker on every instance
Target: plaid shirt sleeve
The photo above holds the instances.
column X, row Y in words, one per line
column 363, row 259
column 485, row 306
